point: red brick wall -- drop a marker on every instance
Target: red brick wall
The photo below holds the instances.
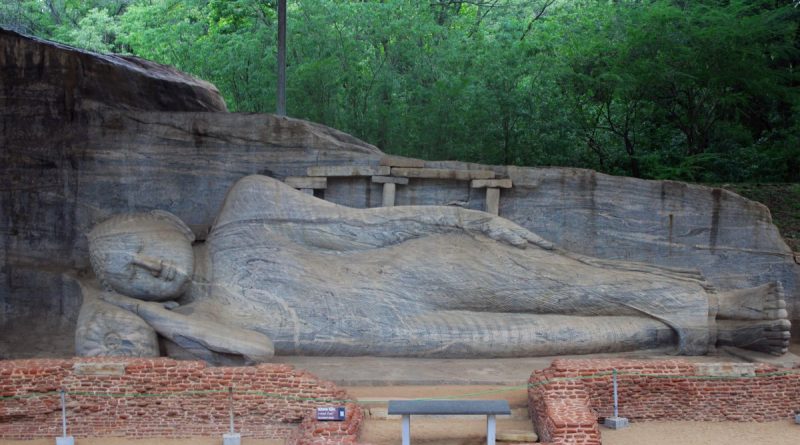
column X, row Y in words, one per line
column 566, row 399
column 168, row 398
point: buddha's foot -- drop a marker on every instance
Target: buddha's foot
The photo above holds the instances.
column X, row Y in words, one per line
column 761, row 327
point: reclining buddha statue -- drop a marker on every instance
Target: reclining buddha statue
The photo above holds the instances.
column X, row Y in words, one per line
column 282, row 272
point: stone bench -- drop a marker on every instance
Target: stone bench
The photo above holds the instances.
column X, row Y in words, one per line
column 488, row 408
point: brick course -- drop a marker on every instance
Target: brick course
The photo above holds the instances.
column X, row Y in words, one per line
column 566, row 399
column 168, row 398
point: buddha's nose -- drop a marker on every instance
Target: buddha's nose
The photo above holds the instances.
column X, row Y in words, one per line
column 154, row 265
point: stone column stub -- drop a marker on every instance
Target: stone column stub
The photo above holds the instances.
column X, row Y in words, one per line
column 388, row 194
column 493, row 200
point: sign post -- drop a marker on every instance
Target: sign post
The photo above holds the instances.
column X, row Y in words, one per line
column 616, row 422
column 231, row 438
column 64, row 439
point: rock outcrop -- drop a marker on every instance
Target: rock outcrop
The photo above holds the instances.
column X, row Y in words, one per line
column 84, row 136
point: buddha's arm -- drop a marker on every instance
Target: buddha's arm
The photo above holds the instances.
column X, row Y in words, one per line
column 385, row 226
column 446, row 219
column 206, row 334
column 315, row 222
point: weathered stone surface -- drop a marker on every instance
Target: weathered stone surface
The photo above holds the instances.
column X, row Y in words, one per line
column 389, row 180
column 69, row 161
column 348, row 170
column 104, row 329
column 68, row 80
column 400, row 161
column 279, row 265
column 307, row 182
column 440, row 173
column 494, row 183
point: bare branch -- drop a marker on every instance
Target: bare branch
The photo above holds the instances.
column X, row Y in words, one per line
column 536, row 17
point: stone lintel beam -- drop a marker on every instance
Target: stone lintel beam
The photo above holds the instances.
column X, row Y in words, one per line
column 400, row 161
column 493, row 200
column 440, row 173
column 348, row 170
column 306, row 182
column 390, row 180
column 494, row 183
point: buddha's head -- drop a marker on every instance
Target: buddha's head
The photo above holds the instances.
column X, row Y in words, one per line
column 144, row 255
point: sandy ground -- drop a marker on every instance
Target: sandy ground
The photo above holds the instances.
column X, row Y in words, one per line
column 704, row 433
column 438, row 430
column 443, row 431
column 118, row 441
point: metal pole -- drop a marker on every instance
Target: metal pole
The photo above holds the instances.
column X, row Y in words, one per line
column 281, row 58
column 230, row 405
column 616, row 397
column 63, row 413
column 491, row 429
column 406, row 429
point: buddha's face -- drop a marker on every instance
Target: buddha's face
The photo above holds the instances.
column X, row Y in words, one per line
column 149, row 259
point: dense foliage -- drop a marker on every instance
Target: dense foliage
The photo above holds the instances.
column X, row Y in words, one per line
column 702, row 90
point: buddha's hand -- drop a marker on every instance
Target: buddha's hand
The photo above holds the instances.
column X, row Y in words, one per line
column 505, row 231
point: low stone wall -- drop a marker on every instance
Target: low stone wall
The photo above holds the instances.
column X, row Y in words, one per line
column 168, row 398
column 566, row 399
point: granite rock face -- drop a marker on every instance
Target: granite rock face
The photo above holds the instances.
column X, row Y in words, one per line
column 67, row 81
column 85, row 136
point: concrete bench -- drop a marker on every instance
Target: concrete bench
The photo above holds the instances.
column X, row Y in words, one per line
column 488, row 408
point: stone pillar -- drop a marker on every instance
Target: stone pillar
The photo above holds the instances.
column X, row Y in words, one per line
column 493, row 200
column 492, row 187
column 389, row 188
column 388, row 194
